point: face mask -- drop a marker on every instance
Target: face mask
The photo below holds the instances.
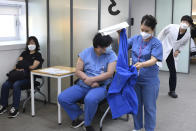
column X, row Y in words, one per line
column 31, row 47
column 145, row 35
column 109, row 48
column 183, row 26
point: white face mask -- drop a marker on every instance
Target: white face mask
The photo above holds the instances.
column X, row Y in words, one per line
column 109, row 48
column 145, row 35
column 31, row 47
column 183, row 26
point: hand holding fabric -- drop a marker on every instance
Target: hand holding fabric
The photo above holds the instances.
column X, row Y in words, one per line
column 119, row 31
column 139, row 65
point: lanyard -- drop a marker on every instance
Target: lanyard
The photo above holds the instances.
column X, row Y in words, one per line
column 140, row 51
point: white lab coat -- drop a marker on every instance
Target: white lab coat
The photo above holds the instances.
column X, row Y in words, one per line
column 168, row 36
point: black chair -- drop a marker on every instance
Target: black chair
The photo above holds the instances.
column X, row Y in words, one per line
column 38, row 83
column 103, row 102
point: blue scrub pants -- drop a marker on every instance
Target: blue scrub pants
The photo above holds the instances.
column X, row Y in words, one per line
column 92, row 96
column 147, row 92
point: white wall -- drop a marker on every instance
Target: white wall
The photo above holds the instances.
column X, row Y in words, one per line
column 139, row 8
column 59, row 41
column 38, row 28
column 8, row 56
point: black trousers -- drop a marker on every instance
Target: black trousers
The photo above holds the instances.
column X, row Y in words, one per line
column 192, row 53
column 172, row 71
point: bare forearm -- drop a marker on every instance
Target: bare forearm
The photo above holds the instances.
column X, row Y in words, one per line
column 150, row 62
column 35, row 65
column 79, row 69
column 118, row 38
column 32, row 67
column 81, row 75
column 102, row 77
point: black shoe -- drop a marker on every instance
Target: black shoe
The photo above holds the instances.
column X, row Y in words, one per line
column 77, row 123
column 172, row 94
column 88, row 128
column 2, row 109
column 13, row 113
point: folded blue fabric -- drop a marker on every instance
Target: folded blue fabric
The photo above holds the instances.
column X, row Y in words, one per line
column 121, row 97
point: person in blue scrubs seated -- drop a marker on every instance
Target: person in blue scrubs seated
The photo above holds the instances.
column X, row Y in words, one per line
column 146, row 51
column 95, row 68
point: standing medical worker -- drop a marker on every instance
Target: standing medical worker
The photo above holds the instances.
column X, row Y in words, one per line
column 173, row 38
column 146, row 51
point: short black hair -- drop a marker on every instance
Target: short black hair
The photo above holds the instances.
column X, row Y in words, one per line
column 101, row 41
column 150, row 21
column 36, row 43
column 188, row 19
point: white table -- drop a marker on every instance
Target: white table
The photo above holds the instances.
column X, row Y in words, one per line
column 58, row 77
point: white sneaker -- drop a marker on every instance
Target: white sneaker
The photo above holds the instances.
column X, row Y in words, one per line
column 2, row 109
column 13, row 113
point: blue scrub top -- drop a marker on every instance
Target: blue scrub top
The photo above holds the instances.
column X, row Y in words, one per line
column 142, row 51
column 95, row 65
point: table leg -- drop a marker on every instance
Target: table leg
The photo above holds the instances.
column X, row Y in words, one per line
column 59, row 107
column 32, row 96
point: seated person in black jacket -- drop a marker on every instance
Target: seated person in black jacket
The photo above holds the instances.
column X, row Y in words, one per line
column 30, row 59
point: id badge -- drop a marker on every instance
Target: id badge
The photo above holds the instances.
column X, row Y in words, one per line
column 138, row 71
column 102, row 69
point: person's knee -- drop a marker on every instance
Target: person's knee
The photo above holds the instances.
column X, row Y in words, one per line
column 150, row 109
column 16, row 86
column 5, row 85
column 91, row 100
column 62, row 99
column 95, row 97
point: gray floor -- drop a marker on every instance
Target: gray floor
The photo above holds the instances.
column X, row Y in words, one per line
column 172, row 114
